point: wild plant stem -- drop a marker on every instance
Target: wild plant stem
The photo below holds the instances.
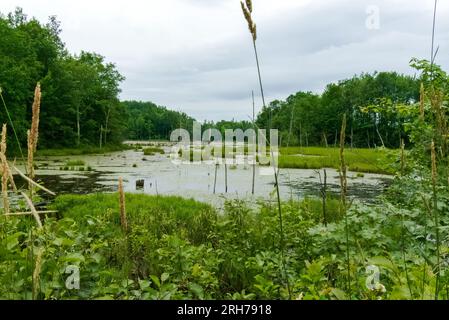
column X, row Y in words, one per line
column 258, row 72
column 255, row 156
column 432, row 58
column 436, row 218
column 404, row 257
column 281, row 227
column 343, row 182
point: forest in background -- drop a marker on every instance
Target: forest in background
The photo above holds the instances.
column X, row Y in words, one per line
column 81, row 106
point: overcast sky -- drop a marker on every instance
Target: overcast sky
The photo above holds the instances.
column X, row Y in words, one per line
column 197, row 56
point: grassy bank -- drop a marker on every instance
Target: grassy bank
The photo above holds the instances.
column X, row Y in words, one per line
column 381, row 161
column 83, row 150
column 360, row 160
column 183, row 249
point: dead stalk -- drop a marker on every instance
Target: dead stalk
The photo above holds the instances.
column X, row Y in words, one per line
column 33, row 210
column 33, row 182
column 5, row 174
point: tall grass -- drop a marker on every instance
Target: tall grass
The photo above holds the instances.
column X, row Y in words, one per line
column 4, row 170
column 344, row 191
column 247, row 12
column 436, row 217
column 123, row 218
column 33, row 135
column 360, row 160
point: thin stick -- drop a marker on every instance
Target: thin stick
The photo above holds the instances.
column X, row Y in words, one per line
column 324, row 195
column 436, row 218
column 4, row 167
column 215, row 180
column 33, row 210
column 255, row 155
column 432, row 57
column 260, row 76
column 226, row 177
column 33, row 182
column 29, row 213
column 344, row 188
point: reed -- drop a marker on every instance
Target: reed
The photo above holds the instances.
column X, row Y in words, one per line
column 254, row 160
column 33, row 135
column 123, row 218
column 436, row 217
column 5, row 174
column 33, row 210
column 344, row 190
column 247, row 12
column 37, row 273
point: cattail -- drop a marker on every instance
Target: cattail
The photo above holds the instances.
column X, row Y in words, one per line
column 5, row 173
column 123, row 219
column 37, row 273
column 421, row 102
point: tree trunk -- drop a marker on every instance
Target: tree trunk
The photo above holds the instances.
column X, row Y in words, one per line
column 101, row 136
column 325, row 140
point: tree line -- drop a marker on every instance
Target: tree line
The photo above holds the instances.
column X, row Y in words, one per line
column 306, row 118
column 81, row 106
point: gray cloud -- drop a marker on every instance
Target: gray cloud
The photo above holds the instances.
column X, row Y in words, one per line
column 196, row 55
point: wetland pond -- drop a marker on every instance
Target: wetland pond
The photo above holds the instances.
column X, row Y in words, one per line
column 158, row 175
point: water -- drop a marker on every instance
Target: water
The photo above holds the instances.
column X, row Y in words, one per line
column 157, row 175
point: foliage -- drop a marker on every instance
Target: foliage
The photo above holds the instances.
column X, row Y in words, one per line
column 307, row 119
column 182, row 249
column 79, row 90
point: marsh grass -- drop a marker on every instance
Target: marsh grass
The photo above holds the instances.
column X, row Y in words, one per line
column 151, row 151
column 75, row 163
column 358, row 160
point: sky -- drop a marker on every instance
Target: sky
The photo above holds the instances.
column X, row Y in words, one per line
column 196, row 56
